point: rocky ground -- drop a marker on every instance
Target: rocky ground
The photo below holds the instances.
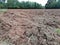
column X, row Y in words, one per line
column 30, row 27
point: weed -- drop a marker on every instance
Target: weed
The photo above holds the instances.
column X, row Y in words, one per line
column 58, row 31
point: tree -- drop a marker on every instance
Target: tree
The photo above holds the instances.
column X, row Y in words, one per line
column 12, row 3
column 51, row 4
column 58, row 4
column 2, row 4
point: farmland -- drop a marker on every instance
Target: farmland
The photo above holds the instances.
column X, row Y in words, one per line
column 30, row 27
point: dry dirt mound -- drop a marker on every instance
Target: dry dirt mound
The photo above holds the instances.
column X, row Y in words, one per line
column 29, row 27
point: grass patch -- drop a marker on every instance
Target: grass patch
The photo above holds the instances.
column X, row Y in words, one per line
column 3, row 10
column 58, row 31
column 5, row 43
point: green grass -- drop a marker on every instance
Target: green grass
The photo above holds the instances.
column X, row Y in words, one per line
column 3, row 10
column 58, row 31
column 5, row 43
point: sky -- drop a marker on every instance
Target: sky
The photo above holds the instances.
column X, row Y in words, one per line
column 43, row 2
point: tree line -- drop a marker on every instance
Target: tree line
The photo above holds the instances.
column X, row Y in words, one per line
column 15, row 4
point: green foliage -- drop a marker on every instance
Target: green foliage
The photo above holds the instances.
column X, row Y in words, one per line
column 30, row 5
column 2, row 5
column 58, row 4
column 58, row 31
column 53, row 4
column 12, row 4
column 15, row 4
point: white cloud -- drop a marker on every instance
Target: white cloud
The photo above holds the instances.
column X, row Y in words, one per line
column 43, row 2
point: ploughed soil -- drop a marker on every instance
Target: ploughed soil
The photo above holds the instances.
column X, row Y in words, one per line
column 30, row 27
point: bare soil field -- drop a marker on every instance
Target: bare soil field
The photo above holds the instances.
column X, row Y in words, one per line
column 30, row 27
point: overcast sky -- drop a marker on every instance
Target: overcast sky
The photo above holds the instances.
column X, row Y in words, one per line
column 43, row 2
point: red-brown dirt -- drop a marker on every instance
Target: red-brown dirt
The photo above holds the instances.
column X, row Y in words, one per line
column 29, row 27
